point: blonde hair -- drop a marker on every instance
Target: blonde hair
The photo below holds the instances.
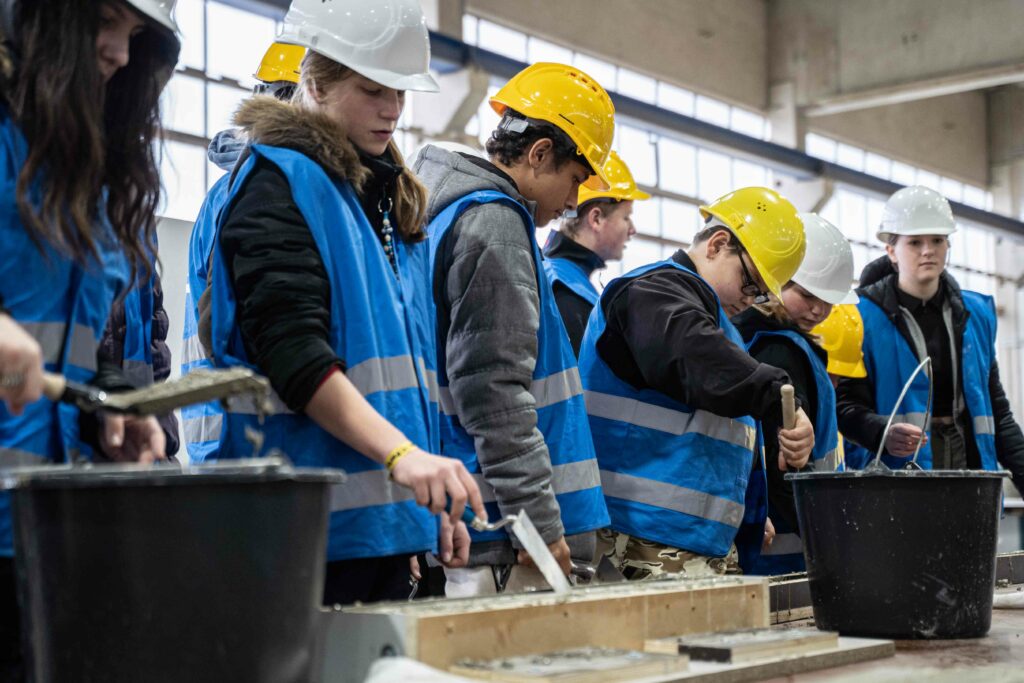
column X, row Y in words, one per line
column 409, row 203
column 776, row 310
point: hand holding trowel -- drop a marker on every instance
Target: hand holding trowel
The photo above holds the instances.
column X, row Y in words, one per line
column 198, row 386
column 522, row 528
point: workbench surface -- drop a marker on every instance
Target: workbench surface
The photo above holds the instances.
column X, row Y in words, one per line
column 996, row 658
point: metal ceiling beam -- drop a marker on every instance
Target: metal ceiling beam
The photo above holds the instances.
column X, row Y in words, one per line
column 449, row 53
column 898, row 93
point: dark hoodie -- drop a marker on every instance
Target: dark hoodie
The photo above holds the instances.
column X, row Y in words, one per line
column 855, row 398
column 782, row 353
column 663, row 334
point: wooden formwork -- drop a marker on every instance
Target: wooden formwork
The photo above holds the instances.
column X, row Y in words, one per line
column 442, row 632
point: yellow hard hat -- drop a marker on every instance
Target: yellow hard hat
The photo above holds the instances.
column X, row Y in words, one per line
column 622, row 186
column 281, row 62
column 768, row 227
column 842, row 336
column 565, row 97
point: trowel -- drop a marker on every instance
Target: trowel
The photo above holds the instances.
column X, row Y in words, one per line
column 522, row 528
column 199, row 386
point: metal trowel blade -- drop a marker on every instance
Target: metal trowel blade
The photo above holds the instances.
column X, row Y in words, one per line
column 534, row 545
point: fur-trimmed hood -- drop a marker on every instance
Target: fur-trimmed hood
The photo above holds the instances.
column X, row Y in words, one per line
column 265, row 120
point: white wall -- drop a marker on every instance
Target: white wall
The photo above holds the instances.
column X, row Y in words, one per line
column 174, row 236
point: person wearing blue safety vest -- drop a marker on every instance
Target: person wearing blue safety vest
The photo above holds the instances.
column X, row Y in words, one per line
column 511, row 399
column 277, row 76
column 674, row 398
column 320, row 281
column 79, row 102
column 586, row 241
column 912, row 309
column 780, row 334
column 842, row 335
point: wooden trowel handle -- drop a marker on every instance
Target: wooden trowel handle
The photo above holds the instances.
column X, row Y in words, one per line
column 788, row 407
column 53, row 386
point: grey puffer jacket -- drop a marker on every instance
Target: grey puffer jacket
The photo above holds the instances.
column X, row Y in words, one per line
column 486, row 292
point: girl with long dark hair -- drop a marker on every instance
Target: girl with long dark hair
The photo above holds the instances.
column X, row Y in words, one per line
column 79, row 90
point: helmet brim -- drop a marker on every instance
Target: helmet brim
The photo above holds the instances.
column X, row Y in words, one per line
column 422, row 82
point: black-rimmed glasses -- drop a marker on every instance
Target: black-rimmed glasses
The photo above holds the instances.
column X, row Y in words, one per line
column 750, row 287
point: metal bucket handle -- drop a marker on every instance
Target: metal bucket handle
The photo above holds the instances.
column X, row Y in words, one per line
column 927, row 362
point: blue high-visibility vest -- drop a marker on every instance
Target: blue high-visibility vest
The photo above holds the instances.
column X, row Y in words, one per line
column 890, row 361
column 561, row 414
column 64, row 305
column 138, row 335
column 786, row 554
column 201, row 423
column 671, row 474
column 381, row 328
column 572, row 276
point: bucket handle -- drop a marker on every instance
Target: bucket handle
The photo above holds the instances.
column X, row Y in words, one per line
column 926, row 363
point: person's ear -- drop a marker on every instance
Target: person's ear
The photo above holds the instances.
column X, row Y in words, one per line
column 717, row 244
column 539, row 153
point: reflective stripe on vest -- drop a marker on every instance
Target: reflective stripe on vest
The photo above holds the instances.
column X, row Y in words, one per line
column 671, row 474
column 572, row 477
column 13, row 457
column 635, row 412
column 380, row 327
column 890, row 360
column 572, row 276
column 556, row 388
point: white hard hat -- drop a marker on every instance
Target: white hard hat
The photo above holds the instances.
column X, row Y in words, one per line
column 383, row 40
column 827, row 268
column 158, row 10
column 916, row 210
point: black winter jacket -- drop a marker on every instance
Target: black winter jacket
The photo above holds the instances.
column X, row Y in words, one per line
column 663, row 334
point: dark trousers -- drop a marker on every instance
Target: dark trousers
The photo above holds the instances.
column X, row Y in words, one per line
column 372, row 579
column 11, row 663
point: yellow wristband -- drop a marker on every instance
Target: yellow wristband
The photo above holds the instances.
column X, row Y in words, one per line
column 396, row 454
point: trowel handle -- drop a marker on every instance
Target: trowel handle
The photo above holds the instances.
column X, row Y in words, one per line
column 469, row 517
column 54, row 386
column 788, row 407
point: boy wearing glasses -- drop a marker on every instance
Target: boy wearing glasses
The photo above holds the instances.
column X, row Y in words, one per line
column 673, row 398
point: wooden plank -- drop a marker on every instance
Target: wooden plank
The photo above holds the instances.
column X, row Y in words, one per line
column 584, row 665
column 622, row 616
column 849, row 651
column 744, row 646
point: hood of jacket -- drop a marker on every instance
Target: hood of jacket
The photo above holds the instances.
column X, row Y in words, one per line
column 878, row 283
column 449, row 175
column 267, row 121
column 225, row 148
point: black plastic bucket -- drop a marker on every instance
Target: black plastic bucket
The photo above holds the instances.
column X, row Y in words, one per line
column 213, row 573
column 900, row 554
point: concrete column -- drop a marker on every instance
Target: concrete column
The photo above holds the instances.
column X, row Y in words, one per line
column 788, row 124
